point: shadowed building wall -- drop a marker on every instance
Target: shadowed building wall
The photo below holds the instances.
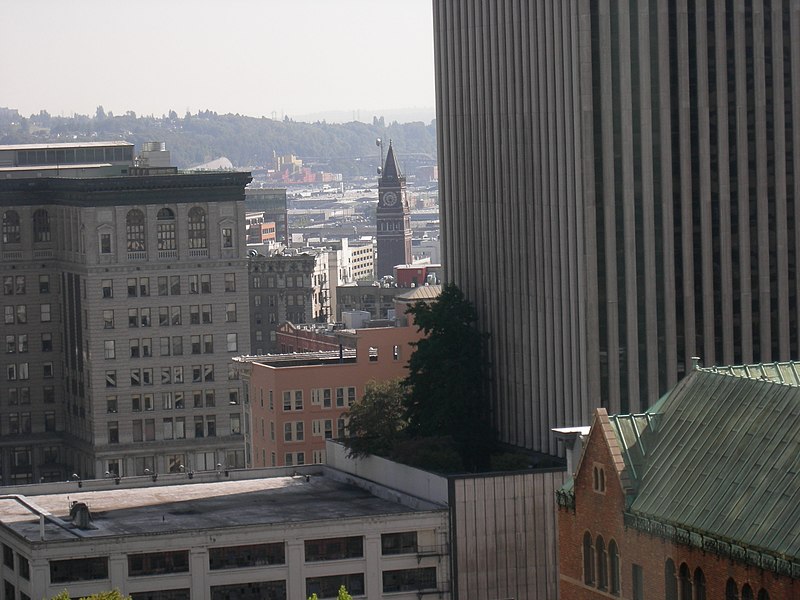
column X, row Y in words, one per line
column 618, row 193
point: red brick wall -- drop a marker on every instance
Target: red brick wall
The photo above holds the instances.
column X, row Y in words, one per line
column 602, row 514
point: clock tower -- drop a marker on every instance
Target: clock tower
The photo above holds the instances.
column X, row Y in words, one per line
column 394, row 220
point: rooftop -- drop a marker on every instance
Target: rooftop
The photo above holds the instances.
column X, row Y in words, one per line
column 718, row 456
column 216, row 502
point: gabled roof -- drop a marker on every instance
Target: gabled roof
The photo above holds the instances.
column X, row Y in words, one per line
column 721, row 456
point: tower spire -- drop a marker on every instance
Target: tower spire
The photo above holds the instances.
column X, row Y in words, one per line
column 391, row 170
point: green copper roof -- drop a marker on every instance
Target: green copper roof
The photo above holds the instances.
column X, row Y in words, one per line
column 720, row 454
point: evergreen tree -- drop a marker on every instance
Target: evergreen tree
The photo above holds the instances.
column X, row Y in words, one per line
column 447, row 377
column 376, row 421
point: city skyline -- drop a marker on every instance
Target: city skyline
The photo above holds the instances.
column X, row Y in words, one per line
column 254, row 65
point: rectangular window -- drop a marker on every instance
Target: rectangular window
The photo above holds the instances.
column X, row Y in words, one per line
column 409, row 580
column 236, row 424
column 107, row 288
column 45, row 313
column 175, row 285
column 198, row 427
column 144, row 317
column 211, row 426
column 132, row 287
column 230, row 312
column 9, row 315
column 113, row 432
column 149, row 430
column 22, row 313
column 111, row 379
column 194, row 284
column 298, row 431
column 194, row 314
column 195, row 341
column 328, row 587
column 252, row 590
column 158, row 563
column 404, row 542
column 637, row 577
column 205, row 284
column 163, row 285
column 227, row 237
column 47, row 342
column 233, row 344
column 168, row 431
column 144, row 286
column 44, row 284
column 163, row 344
column 180, row 428
column 137, row 431
column 133, row 317
column 206, row 310
column 108, row 349
column 230, row 282
column 175, row 315
column 78, row 569
column 47, row 370
column 287, row 432
column 134, row 348
column 111, row 404
column 177, row 345
column 163, row 316
column 108, row 319
column 256, row 555
column 208, row 344
column 136, row 403
column 334, row 548
column 105, row 243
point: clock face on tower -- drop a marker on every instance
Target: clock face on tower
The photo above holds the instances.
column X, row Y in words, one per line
column 389, row 199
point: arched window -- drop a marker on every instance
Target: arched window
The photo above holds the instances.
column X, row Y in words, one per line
column 588, row 559
column 699, row 584
column 613, row 570
column 685, row 579
column 762, row 594
column 11, row 231
column 41, row 226
column 747, row 592
column 197, row 228
column 731, row 591
column 602, row 566
column 166, row 229
column 670, row 584
column 134, row 228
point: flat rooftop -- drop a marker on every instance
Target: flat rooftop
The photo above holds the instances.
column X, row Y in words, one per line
column 176, row 508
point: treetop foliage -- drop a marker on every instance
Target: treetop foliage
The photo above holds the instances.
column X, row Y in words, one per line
column 111, row 595
column 447, row 377
column 377, row 421
column 247, row 141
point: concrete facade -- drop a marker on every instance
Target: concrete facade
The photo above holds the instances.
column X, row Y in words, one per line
column 137, row 292
column 280, row 284
column 268, row 535
column 639, row 157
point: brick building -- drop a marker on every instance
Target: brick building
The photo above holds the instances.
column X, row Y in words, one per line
column 696, row 498
column 297, row 401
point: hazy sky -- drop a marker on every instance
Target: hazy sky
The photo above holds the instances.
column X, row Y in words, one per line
column 254, row 57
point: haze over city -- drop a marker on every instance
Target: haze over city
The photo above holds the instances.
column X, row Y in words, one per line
column 310, row 59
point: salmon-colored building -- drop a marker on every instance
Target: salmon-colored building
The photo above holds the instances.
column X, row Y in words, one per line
column 297, row 401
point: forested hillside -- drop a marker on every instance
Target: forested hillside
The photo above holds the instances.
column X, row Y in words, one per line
column 247, row 141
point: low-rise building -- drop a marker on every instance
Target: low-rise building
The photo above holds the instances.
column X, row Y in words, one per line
column 297, row 401
column 696, row 498
column 246, row 534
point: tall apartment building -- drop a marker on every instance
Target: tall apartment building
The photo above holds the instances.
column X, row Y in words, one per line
column 619, row 193
column 124, row 298
column 280, row 285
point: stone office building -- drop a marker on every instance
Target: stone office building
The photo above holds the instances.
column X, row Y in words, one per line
column 124, row 297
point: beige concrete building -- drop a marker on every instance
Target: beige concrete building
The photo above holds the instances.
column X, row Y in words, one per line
column 252, row 534
column 125, row 297
column 619, row 192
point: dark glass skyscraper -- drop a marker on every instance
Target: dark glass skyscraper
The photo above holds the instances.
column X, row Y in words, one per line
column 619, row 193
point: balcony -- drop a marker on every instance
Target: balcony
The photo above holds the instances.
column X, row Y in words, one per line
column 12, row 255
column 166, row 254
column 42, row 253
column 198, row 253
column 137, row 255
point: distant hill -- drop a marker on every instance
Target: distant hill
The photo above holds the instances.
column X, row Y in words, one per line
column 247, row 141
